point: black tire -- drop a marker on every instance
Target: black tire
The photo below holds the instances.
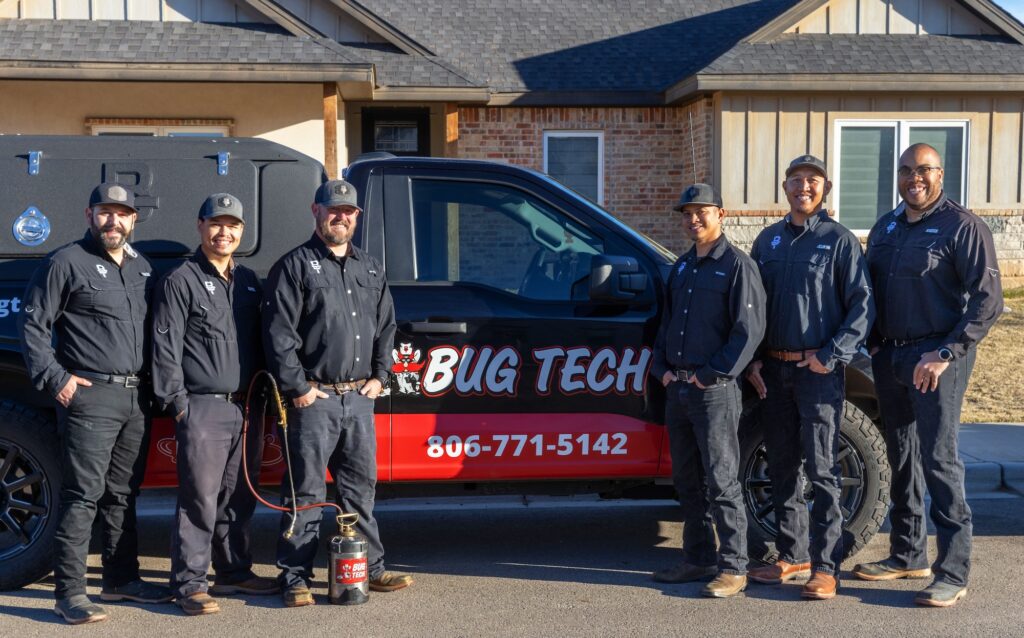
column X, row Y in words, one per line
column 29, row 495
column 865, row 495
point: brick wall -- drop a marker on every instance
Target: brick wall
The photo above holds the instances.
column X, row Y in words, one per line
column 648, row 155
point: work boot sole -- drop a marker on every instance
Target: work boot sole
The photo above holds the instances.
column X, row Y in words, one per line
column 818, row 595
column 720, row 594
column 387, row 588
column 778, row 581
column 119, row 598
column 910, row 573
column 302, row 601
column 198, row 611
column 227, row 590
column 80, row 621
column 928, row 602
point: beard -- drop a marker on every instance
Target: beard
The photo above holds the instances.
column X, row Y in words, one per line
column 109, row 241
column 336, row 235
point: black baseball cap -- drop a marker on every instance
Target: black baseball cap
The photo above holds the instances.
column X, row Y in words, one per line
column 808, row 161
column 699, row 194
column 221, row 205
column 336, row 192
column 112, row 193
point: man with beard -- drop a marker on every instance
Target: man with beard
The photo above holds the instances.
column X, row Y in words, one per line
column 819, row 312
column 84, row 339
column 711, row 326
column 937, row 288
column 328, row 329
column 206, row 349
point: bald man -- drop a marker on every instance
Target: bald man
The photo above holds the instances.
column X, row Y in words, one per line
column 937, row 292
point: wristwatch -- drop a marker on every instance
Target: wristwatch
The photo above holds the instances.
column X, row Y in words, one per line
column 945, row 354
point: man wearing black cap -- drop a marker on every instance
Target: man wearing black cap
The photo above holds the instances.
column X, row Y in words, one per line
column 712, row 323
column 819, row 313
column 206, row 348
column 933, row 265
column 328, row 328
column 90, row 298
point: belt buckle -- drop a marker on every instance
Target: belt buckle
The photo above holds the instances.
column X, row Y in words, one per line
column 131, row 382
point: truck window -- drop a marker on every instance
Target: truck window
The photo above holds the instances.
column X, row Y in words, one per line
column 502, row 237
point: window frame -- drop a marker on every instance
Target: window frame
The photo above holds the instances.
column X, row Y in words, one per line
column 902, row 127
column 599, row 134
column 159, row 127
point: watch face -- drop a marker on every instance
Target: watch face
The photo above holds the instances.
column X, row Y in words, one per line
column 945, row 354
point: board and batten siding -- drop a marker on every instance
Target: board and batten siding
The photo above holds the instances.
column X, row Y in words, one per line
column 759, row 134
column 937, row 17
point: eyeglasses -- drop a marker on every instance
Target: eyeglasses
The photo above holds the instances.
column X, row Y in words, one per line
column 905, row 172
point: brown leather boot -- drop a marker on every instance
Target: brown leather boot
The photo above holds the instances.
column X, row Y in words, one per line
column 725, row 586
column 780, row 572
column 821, row 586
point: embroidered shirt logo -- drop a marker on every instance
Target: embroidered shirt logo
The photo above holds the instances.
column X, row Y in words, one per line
column 891, row 227
column 776, row 240
column 932, row 231
column 720, row 273
column 682, row 267
column 146, row 274
column 250, row 289
column 210, row 287
column 102, row 270
column 315, row 264
column 824, row 247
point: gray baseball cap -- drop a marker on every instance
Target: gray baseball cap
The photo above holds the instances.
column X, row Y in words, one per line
column 808, row 161
column 336, row 192
column 221, row 205
column 704, row 194
column 112, row 193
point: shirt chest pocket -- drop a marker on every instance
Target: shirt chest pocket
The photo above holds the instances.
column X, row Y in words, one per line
column 815, row 266
column 107, row 299
column 917, row 257
column 369, row 289
column 321, row 295
column 214, row 319
column 713, row 287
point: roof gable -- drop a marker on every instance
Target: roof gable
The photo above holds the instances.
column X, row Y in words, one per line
column 892, row 17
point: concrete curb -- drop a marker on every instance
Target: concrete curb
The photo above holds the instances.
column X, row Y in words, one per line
column 983, row 477
column 1013, row 476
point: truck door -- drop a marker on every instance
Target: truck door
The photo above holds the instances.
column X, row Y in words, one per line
column 503, row 366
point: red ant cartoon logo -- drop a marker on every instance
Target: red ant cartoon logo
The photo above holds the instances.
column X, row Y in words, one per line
column 407, row 368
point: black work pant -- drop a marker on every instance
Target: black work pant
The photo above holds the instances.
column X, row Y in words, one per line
column 104, row 437
column 336, row 434
column 702, row 431
column 214, row 502
column 921, row 433
column 801, row 416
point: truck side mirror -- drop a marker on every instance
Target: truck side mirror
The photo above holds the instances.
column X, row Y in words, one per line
column 614, row 278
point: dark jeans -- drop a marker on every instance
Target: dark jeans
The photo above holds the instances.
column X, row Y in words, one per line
column 104, row 438
column 702, row 431
column 335, row 434
column 921, row 437
column 214, row 502
column 801, row 416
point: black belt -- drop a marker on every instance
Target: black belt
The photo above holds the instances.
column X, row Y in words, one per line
column 230, row 397
column 899, row 343
column 341, row 387
column 128, row 381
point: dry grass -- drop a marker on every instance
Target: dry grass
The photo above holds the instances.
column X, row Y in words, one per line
column 996, row 392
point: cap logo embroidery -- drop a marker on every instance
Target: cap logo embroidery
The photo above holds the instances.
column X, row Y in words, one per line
column 315, row 264
column 118, row 194
column 341, row 189
column 225, row 202
column 102, row 270
column 210, row 287
column 891, row 227
column 776, row 240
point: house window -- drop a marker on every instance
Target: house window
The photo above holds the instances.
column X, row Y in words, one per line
column 158, row 127
column 869, row 150
column 576, row 158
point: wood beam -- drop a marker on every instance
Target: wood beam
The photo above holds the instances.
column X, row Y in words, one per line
column 331, row 129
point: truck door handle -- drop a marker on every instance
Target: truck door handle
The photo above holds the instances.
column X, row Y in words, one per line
column 435, row 327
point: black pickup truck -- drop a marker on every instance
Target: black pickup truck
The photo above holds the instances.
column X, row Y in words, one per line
column 525, row 317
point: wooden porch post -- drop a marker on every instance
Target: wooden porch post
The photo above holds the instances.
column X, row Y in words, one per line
column 451, row 129
column 331, row 129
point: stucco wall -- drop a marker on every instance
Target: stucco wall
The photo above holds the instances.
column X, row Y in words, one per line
column 290, row 114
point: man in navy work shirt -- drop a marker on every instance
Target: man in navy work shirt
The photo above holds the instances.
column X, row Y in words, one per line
column 84, row 335
column 712, row 324
column 206, row 347
column 819, row 312
column 328, row 329
column 937, row 288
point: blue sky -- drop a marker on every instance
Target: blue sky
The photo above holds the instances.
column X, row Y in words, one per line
column 1016, row 7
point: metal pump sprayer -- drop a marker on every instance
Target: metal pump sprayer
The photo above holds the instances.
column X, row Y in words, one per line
column 349, row 580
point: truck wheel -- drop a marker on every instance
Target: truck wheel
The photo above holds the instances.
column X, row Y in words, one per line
column 865, row 484
column 29, row 495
